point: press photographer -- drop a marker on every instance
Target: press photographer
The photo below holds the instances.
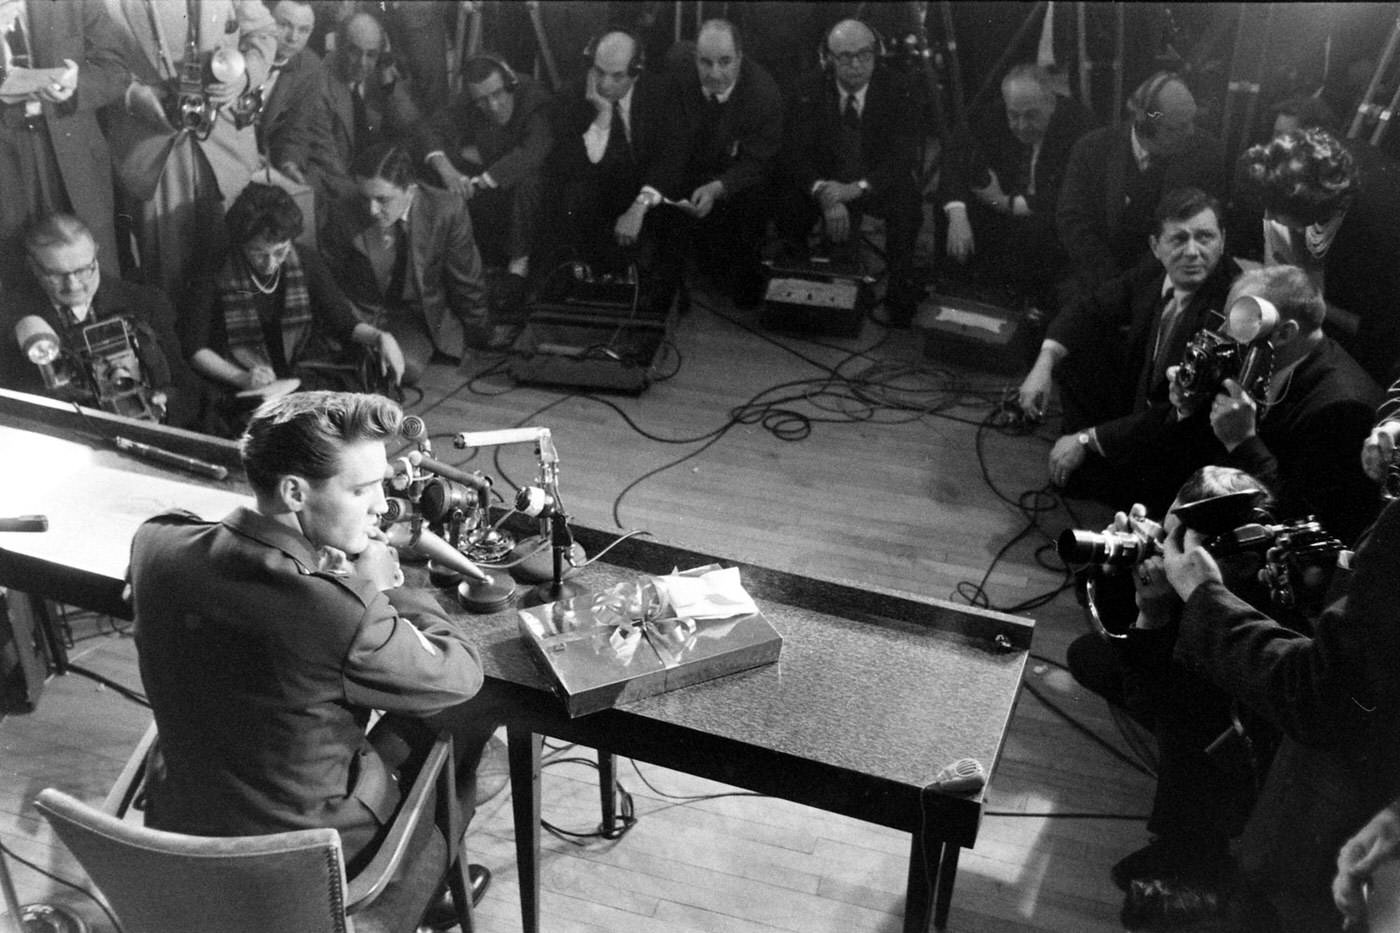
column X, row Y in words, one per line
column 71, row 333
column 1207, row 776
column 1336, row 698
column 1300, row 432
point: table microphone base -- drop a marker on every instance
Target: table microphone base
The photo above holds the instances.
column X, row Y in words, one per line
column 546, row 593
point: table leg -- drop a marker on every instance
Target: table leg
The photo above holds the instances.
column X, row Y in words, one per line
column 933, row 864
column 524, row 751
column 607, row 791
column 947, row 871
column 924, row 856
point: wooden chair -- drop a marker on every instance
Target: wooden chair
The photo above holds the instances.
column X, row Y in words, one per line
column 292, row 882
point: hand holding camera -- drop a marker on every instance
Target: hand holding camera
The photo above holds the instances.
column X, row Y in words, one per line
column 1187, row 562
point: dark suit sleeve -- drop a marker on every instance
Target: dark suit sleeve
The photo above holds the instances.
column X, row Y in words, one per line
column 804, row 126
column 102, row 75
column 895, row 150
column 1326, row 475
column 329, row 302
column 529, row 155
column 1109, row 308
column 466, row 291
column 1079, row 216
column 1318, row 690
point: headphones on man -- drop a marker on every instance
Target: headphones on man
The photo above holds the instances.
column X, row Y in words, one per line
column 824, row 50
column 1145, row 104
column 509, row 78
column 639, row 51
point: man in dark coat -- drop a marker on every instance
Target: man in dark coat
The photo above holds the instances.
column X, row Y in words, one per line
column 1109, row 354
column 999, row 187
column 291, row 79
column 53, row 155
column 489, row 147
column 851, row 150
column 718, row 163
column 608, row 133
column 1116, row 176
column 358, row 101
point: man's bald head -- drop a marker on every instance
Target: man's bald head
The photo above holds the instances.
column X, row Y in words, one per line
column 613, row 57
column 851, row 47
column 361, row 44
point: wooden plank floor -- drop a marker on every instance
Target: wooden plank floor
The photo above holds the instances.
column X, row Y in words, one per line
column 896, row 501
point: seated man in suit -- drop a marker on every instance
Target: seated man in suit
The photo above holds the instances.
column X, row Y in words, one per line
column 267, row 638
column 999, row 188
column 1116, row 177
column 608, row 133
column 73, row 333
column 405, row 255
column 851, row 150
column 359, row 101
column 718, row 160
column 292, row 78
column 1109, row 353
column 488, row 147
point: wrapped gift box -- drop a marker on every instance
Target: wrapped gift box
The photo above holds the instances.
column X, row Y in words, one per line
column 610, row 648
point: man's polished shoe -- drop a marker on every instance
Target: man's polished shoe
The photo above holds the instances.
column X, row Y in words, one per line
column 442, row 915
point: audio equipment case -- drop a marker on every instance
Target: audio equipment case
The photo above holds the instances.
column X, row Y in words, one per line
column 817, row 297
column 976, row 334
column 599, row 335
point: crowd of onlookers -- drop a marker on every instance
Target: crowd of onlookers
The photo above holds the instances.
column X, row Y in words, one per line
column 198, row 210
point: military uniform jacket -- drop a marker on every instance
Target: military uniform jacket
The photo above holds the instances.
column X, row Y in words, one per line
column 262, row 670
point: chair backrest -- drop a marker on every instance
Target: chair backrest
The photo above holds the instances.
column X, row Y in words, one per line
column 159, row 882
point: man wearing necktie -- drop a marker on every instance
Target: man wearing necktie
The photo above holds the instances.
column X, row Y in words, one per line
column 851, row 150
column 295, row 71
column 716, row 165
column 1117, row 175
column 608, row 132
column 53, row 155
column 998, row 187
column 357, row 100
column 1108, row 355
column 66, row 289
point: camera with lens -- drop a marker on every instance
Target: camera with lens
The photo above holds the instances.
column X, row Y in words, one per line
column 1211, row 358
column 1298, row 557
column 191, row 108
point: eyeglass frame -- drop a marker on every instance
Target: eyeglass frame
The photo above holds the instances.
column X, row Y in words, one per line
column 82, row 273
column 863, row 56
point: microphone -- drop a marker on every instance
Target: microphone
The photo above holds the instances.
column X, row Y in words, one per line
column 426, row 544
column 447, row 471
column 412, row 428
column 170, row 458
column 25, row 523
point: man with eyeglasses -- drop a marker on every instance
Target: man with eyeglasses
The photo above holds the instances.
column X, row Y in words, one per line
column 358, row 100
column 852, row 149
column 489, row 147
column 53, row 345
